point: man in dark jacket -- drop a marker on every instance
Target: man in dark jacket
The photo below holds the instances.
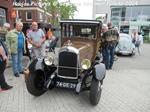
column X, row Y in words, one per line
column 110, row 39
column 3, row 58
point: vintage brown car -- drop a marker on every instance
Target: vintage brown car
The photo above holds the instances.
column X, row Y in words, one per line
column 78, row 66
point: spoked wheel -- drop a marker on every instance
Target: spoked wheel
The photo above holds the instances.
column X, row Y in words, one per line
column 35, row 83
column 95, row 91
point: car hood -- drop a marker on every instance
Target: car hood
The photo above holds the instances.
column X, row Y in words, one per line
column 85, row 49
column 124, row 44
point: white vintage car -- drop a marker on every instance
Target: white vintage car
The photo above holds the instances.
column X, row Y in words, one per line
column 125, row 45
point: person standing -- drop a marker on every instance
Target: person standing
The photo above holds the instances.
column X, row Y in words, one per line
column 4, row 30
column 3, row 58
column 104, row 29
column 139, row 42
column 44, row 30
column 37, row 39
column 110, row 37
column 15, row 41
column 28, row 30
column 117, row 41
column 3, row 33
column 134, row 37
column 49, row 33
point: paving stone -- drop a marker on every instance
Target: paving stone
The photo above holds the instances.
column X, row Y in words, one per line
column 126, row 89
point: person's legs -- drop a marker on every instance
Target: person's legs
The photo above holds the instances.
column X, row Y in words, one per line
column 19, row 64
column 112, row 52
column 52, row 46
column 139, row 49
column 115, row 56
column 15, row 63
column 42, row 51
column 104, row 55
column 107, row 58
column 3, row 83
column 36, row 52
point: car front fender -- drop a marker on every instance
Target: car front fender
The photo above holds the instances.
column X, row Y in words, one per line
column 36, row 64
column 99, row 71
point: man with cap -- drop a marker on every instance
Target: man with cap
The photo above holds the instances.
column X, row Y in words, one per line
column 4, row 30
column 3, row 33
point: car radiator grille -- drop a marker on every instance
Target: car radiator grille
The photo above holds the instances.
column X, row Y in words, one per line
column 67, row 65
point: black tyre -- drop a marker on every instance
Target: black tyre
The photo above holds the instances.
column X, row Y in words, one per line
column 95, row 91
column 35, row 83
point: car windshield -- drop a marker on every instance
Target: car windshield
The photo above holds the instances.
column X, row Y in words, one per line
column 79, row 30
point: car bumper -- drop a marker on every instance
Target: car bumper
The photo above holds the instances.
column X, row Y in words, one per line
column 124, row 52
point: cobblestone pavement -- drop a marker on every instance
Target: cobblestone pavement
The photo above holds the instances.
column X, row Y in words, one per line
column 126, row 89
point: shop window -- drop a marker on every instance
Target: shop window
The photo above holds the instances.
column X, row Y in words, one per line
column 28, row 1
column 20, row 15
column 28, row 16
column 41, row 17
column 18, row 1
column 2, row 12
column 45, row 19
column 49, row 20
column 2, row 17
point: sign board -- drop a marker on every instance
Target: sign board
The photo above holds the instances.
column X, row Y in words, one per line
column 125, row 22
column 13, row 14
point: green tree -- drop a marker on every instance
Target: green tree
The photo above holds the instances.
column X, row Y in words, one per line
column 99, row 17
column 65, row 10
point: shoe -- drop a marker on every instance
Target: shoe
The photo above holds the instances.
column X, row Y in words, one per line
column 110, row 67
column 3, row 90
column 6, row 88
column 7, row 66
column 115, row 59
column 16, row 75
column 107, row 68
column 21, row 72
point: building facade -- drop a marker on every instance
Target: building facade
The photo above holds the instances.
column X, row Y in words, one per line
column 5, row 13
column 129, row 16
column 131, row 19
column 32, row 10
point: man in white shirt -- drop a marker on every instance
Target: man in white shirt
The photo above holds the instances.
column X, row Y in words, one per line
column 37, row 39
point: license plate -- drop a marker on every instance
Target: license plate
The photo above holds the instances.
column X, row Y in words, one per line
column 65, row 85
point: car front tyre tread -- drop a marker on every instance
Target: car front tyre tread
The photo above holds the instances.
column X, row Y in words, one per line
column 31, row 87
column 95, row 91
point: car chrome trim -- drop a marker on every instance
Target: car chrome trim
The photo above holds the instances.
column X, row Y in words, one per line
column 85, row 21
column 69, row 49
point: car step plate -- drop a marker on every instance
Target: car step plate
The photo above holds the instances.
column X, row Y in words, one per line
column 65, row 85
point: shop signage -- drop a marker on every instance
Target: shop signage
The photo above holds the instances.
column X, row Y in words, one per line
column 13, row 14
column 124, row 22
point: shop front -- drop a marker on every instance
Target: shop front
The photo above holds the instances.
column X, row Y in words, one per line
column 5, row 13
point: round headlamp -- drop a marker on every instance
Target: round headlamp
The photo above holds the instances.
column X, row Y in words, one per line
column 86, row 64
column 48, row 60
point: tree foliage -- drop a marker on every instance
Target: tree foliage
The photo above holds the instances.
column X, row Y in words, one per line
column 65, row 9
column 99, row 17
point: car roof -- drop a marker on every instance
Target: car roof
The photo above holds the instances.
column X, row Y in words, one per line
column 80, row 21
